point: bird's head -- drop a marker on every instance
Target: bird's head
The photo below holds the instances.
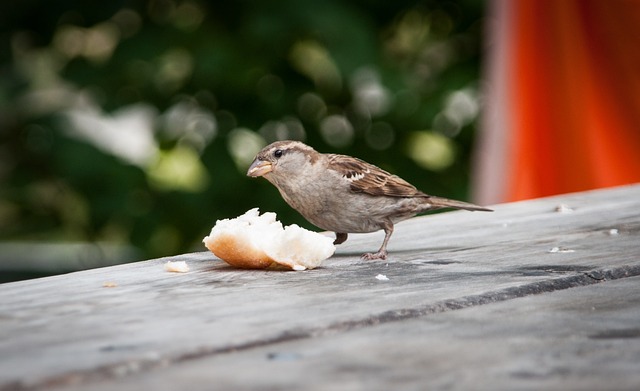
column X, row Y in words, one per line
column 282, row 158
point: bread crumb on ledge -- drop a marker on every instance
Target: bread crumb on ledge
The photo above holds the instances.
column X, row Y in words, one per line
column 560, row 250
column 176, row 267
column 254, row 241
column 109, row 284
column 563, row 208
column 382, row 277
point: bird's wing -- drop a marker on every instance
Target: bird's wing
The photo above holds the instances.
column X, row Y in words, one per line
column 367, row 178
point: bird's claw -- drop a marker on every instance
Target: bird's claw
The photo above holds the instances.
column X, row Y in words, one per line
column 371, row 256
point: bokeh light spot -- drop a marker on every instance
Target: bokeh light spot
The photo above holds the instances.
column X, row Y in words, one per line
column 244, row 145
column 311, row 107
column 337, row 131
column 431, row 150
column 314, row 61
column 178, row 169
column 380, row 136
column 369, row 95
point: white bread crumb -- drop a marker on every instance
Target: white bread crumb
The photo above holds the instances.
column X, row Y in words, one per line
column 563, row 208
column 560, row 250
column 382, row 277
column 254, row 241
column 176, row 267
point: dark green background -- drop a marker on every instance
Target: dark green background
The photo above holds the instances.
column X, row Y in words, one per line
column 58, row 191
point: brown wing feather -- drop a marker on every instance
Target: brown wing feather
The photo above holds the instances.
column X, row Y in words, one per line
column 369, row 179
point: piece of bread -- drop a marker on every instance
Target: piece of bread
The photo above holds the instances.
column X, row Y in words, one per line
column 176, row 267
column 254, row 241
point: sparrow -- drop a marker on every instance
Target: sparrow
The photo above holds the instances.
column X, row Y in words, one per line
column 344, row 194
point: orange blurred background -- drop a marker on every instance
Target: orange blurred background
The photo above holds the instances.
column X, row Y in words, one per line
column 563, row 99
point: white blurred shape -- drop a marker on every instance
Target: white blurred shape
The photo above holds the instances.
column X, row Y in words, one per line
column 244, row 145
column 127, row 133
column 188, row 122
column 369, row 95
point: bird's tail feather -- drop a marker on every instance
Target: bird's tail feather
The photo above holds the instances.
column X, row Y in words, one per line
column 438, row 202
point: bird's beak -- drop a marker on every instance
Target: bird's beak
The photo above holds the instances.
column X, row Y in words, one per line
column 259, row 168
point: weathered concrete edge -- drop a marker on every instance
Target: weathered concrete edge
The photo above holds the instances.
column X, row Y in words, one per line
column 131, row 367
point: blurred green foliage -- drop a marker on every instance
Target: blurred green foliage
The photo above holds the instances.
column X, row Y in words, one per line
column 132, row 123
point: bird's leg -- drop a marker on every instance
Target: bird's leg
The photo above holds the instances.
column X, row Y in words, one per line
column 341, row 237
column 382, row 253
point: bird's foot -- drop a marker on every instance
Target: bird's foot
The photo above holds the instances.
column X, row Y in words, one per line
column 382, row 254
column 340, row 238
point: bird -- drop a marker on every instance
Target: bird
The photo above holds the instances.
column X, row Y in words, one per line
column 344, row 194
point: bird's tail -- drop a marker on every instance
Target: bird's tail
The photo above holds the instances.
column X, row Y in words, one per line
column 438, row 202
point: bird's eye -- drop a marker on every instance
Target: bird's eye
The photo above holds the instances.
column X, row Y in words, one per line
column 277, row 153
